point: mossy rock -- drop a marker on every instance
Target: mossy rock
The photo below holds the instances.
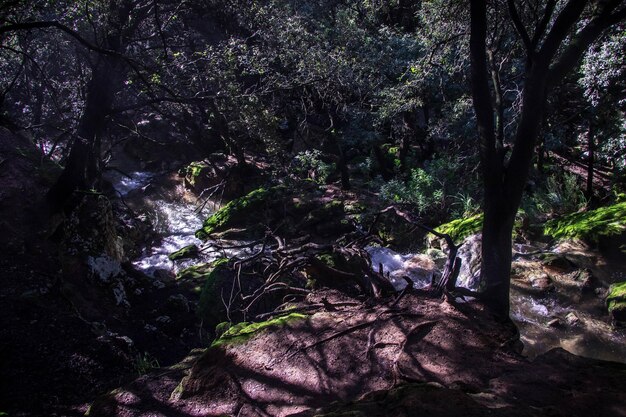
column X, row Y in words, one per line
column 241, row 332
column 195, row 272
column 616, row 301
column 217, row 277
column 459, row 229
column 590, row 225
column 193, row 171
column 238, row 212
column 190, row 251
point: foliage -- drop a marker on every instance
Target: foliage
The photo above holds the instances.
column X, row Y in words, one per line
column 241, row 332
column 591, row 225
column 145, row 363
column 431, row 188
column 309, row 165
column 560, row 194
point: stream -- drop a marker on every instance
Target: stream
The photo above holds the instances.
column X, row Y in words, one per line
column 546, row 320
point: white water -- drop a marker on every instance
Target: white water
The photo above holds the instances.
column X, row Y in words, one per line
column 398, row 265
column 175, row 222
column 588, row 335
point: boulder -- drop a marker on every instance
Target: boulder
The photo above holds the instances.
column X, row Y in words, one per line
column 471, row 258
column 616, row 301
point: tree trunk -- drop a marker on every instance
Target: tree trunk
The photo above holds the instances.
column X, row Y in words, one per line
column 496, row 253
column 82, row 169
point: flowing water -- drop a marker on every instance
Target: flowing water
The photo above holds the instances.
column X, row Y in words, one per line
column 561, row 318
column 548, row 320
column 175, row 221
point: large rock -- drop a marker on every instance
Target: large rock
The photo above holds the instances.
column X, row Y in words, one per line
column 616, row 301
column 471, row 258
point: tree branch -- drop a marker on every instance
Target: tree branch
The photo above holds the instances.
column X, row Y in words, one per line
column 581, row 42
column 521, row 30
column 480, row 92
column 543, row 24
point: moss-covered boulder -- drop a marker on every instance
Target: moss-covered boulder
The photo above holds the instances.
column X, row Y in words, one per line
column 241, row 332
column 223, row 172
column 616, row 301
column 590, row 225
column 241, row 212
column 295, row 210
column 459, row 229
column 217, row 278
column 190, row 251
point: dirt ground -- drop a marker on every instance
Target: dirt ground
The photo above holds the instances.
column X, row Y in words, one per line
column 467, row 361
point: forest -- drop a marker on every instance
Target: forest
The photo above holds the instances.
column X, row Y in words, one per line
column 312, row 208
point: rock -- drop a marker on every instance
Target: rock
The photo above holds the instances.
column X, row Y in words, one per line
column 556, row 261
column 420, row 268
column 438, row 256
column 541, row 281
column 178, row 302
column 163, row 319
column 616, row 301
column 572, row 319
column 163, row 275
column 470, row 254
column 554, row 323
column 585, row 280
column 190, row 251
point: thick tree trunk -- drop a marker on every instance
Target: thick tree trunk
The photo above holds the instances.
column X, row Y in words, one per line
column 82, row 169
column 496, row 252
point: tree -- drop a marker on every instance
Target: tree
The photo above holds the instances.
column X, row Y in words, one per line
column 561, row 35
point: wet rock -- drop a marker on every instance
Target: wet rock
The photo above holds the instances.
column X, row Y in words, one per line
column 163, row 275
column 556, row 261
column 420, row 268
column 163, row 319
column 541, row 281
column 470, row 254
column 572, row 319
column 556, row 322
column 438, row 257
column 585, row 280
column 190, row 251
column 616, row 301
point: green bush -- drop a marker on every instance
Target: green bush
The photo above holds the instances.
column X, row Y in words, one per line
column 309, row 165
column 560, row 194
column 431, row 188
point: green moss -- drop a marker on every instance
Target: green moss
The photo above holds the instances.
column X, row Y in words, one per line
column 590, row 225
column 195, row 272
column 241, row 332
column 190, row 251
column 222, row 328
column 461, row 228
column 211, row 307
column 234, row 211
column 194, row 170
column 616, row 300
